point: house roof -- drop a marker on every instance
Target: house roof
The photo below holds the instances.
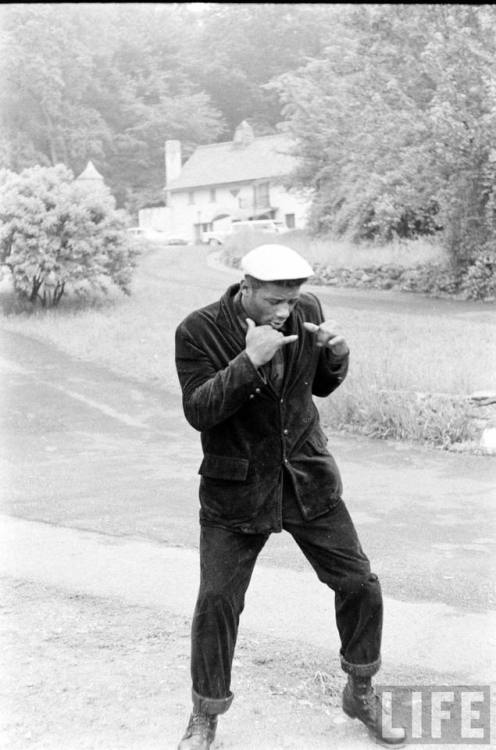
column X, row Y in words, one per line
column 90, row 173
column 220, row 163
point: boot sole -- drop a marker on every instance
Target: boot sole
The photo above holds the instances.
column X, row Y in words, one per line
column 378, row 740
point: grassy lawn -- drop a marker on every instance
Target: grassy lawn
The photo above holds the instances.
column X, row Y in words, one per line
column 407, row 380
column 409, row 375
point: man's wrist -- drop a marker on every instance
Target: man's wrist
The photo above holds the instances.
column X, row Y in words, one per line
column 253, row 360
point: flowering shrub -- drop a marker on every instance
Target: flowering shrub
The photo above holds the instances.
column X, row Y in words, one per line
column 56, row 236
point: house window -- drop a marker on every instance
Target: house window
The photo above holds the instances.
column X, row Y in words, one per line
column 191, row 197
column 290, row 221
column 212, row 195
column 261, row 194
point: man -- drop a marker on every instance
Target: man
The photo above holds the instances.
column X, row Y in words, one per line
column 248, row 366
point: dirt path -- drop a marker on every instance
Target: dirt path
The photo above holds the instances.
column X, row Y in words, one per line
column 94, row 644
column 87, row 672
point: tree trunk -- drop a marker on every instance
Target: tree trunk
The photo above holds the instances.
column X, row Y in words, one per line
column 36, row 283
column 50, row 133
column 58, row 292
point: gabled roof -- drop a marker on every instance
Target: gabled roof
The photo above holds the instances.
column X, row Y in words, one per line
column 90, row 173
column 220, row 163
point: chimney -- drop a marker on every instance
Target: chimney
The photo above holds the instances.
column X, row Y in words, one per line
column 172, row 161
column 243, row 135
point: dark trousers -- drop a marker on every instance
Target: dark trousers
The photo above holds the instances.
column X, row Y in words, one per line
column 227, row 559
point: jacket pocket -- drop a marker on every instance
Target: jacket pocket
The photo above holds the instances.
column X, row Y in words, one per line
column 224, row 467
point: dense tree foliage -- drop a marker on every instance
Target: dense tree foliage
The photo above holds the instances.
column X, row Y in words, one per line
column 58, row 235
column 99, row 82
column 240, row 47
column 396, row 123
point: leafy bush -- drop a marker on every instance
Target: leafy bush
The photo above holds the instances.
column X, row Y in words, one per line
column 478, row 281
column 57, row 237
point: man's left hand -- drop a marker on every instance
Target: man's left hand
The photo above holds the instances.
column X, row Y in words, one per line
column 327, row 335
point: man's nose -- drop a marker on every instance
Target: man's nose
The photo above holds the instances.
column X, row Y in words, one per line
column 282, row 311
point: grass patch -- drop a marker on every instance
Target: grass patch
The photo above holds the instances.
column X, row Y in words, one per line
column 408, row 375
column 434, row 420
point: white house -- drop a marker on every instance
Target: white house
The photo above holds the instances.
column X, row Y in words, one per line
column 226, row 182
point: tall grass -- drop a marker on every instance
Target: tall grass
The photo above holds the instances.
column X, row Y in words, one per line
column 340, row 253
column 410, row 376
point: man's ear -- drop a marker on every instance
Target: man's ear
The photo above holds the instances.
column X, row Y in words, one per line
column 244, row 285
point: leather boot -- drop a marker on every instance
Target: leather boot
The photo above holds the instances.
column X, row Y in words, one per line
column 361, row 702
column 200, row 732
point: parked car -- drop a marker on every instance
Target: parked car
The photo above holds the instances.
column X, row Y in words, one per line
column 262, row 225
column 158, row 235
column 175, row 240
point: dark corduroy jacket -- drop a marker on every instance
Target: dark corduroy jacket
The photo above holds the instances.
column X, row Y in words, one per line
column 250, row 432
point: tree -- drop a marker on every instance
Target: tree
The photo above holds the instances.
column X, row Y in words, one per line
column 46, row 70
column 98, row 82
column 56, row 236
column 147, row 97
column 395, row 123
column 238, row 48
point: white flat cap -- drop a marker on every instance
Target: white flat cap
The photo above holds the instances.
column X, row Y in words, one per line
column 275, row 262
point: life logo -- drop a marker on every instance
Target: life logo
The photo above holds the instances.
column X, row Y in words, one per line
column 437, row 714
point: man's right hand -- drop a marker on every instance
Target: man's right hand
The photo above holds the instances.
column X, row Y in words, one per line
column 262, row 342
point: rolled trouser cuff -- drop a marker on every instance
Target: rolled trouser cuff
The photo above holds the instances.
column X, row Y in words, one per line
column 361, row 670
column 211, row 706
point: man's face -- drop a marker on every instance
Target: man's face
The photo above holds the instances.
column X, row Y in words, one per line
column 270, row 304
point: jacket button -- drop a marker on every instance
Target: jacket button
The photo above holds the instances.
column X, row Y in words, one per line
column 252, row 395
column 257, row 390
column 286, row 461
column 282, row 401
column 285, row 432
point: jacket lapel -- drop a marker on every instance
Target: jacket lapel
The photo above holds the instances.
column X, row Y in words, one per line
column 228, row 321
